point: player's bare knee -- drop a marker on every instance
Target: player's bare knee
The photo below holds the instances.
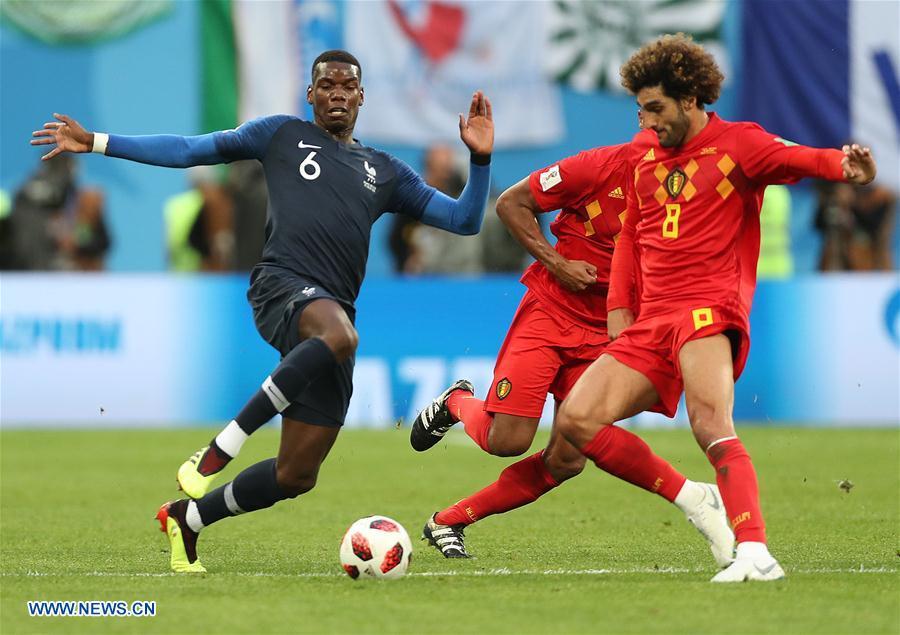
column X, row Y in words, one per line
column 342, row 339
column 509, row 447
column 577, row 423
column 563, row 468
column 293, row 482
column 709, row 422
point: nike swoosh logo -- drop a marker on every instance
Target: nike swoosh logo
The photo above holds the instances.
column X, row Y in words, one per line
column 715, row 504
column 302, row 145
column 765, row 570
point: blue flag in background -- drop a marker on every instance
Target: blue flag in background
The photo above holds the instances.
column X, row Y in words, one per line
column 824, row 73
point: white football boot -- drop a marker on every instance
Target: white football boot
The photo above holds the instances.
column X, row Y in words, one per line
column 704, row 509
column 752, row 562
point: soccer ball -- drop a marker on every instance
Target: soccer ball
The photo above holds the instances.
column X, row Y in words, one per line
column 376, row 547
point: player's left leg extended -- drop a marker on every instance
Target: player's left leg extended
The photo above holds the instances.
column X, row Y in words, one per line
column 294, row 472
column 520, row 484
column 708, row 372
column 322, row 337
column 608, row 392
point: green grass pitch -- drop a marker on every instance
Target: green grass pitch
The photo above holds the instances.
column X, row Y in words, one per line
column 593, row 556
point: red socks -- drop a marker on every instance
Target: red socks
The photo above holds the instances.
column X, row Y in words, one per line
column 626, row 456
column 521, row 483
column 466, row 408
column 736, row 479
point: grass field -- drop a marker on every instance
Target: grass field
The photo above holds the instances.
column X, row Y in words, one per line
column 594, row 556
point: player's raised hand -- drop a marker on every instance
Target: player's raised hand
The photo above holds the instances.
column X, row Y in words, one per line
column 575, row 275
column 477, row 130
column 66, row 133
column 858, row 163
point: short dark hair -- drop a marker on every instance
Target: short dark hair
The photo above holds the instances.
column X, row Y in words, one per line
column 681, row 66
column 335, row 55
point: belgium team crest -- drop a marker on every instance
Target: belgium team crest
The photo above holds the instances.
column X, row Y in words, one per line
column 675, row 182
column 504, row 386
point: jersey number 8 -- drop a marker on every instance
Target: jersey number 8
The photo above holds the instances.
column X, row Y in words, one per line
column 670, row 224
column 309, row 169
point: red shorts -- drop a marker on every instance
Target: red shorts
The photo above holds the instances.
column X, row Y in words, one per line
column 651, row 346
column 544, row 352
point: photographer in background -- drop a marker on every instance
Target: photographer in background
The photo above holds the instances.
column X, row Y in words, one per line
column 856, row 226
column 54, row 224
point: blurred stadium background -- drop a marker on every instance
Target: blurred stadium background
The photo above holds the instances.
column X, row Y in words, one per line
column 122, row 299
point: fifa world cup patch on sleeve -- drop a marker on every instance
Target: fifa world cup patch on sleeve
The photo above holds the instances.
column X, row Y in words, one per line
column 550, row 177
column 504, row 387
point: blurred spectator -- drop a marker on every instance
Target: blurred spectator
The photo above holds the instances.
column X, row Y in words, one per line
column 500, row 252
column 856, row 225
column 86, row 241
column 405, row 252
column 55, row 225
column 775, row 259
column 247, row 186
column 199, row 225
column 419, row 248
column 874, row 215
column 6, row 243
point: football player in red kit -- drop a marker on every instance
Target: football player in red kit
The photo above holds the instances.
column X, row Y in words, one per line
column 693, row 225
column 557, row 332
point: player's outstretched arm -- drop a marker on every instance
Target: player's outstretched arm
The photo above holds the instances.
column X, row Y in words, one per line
column 173, row 151
column 465, row 214
column 462, row 215
column 769, row 160
column 518, row 209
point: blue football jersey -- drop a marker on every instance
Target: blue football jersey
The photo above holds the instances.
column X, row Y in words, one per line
column 324, row 196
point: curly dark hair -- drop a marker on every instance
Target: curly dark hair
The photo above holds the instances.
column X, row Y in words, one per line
column 681, row 66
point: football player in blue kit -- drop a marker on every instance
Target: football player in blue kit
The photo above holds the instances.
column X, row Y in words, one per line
column 326, row 189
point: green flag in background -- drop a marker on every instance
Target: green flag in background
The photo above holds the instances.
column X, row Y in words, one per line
column 250, row 61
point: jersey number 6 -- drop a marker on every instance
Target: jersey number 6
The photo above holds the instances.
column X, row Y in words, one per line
column 670, row 225
column 309, row 169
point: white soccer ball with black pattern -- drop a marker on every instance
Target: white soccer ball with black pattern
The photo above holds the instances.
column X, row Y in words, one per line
column 376, row 547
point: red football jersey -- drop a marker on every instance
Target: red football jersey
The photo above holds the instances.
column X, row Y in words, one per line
column 694, row 213
column 590, row 190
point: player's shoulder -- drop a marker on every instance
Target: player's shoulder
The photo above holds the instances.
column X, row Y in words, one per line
column 270, row 122
column 595, row 159
column 396, row 166
column 724, row 126
column 602, row 155
column 261, row 129
column 642, row 145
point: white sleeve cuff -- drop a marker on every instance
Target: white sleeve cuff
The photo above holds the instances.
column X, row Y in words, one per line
column 101, row 139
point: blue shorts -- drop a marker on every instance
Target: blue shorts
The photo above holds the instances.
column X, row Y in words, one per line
column 278, row 297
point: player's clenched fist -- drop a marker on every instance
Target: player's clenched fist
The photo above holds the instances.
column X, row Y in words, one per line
column 575, row 275
column 66, row 133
